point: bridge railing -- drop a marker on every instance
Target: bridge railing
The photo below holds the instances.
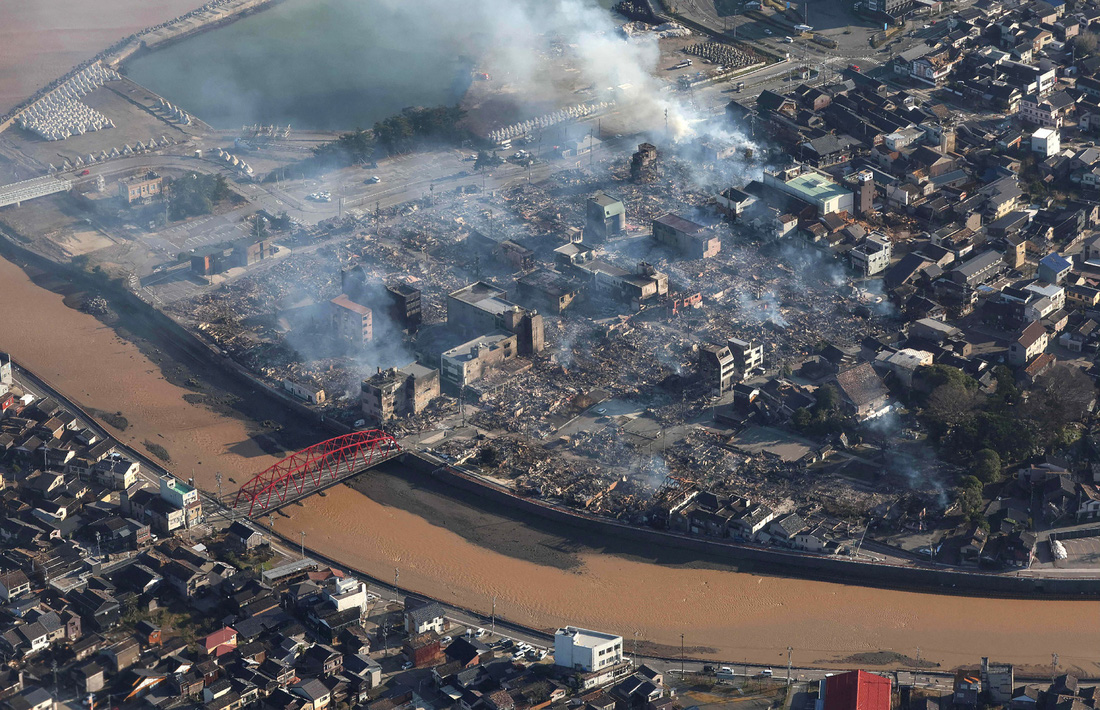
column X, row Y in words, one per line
column 307, row 470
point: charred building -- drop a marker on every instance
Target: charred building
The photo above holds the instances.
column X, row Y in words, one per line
column 482, row 308
column 694, row 241
column 352, row 323
column 398, row 392
column 605, row 216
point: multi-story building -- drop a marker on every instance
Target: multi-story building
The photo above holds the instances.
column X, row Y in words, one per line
column 812, row 187
column 472, row 360
column 482, row 308
column 748, row 355
column 605, row 217
column 180, row 495
column 116, row 472
column 398, row 392
column 586, row 650
column 891, row 8
column 872, row 255
column 351, row 322
column 5, row 373
column 643, row 284
column 1031, row 341
column 692, row 240
column 717, row 366
column 139, row 187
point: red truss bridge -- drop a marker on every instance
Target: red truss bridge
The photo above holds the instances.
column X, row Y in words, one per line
column 309, row 470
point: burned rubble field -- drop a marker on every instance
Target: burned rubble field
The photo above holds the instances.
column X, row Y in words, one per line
column 791, row 300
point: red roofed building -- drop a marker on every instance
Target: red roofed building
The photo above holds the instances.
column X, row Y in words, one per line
column 857, row 690
column 221, row 642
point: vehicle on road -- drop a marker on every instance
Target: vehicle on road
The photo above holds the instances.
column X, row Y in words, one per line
column 406, row 665
column 601, row 410
column 788, row 40
column 373, row 180
column 766, row 673
column 85, row 172
column 767, row 32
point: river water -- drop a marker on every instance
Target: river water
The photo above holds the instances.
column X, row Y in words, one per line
column 542, row 576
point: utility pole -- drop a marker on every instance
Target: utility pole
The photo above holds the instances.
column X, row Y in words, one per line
column 681, row 657
column 635, row 649
column 789, row 649
column 218, row 478
column 494, row 619
column 1053, row 666
column 396, row 575
column 303, row 532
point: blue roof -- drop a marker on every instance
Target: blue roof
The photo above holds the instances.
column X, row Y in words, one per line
column 1055, row 262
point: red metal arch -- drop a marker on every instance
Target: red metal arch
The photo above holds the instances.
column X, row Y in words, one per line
column 329, row 459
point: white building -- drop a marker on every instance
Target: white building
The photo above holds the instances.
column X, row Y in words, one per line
column 347, row 593
column 585, row 650
column 1045, row 142
column 872, row 256
column 116, row 472
column 904, row 363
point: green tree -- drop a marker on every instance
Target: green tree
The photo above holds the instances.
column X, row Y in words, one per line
column 987, row 466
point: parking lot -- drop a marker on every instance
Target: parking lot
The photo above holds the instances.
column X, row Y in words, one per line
column 1082, row 552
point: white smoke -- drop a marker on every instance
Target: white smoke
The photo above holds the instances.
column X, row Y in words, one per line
column 512, row 40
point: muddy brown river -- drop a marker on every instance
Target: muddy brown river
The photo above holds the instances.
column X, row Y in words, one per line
column 447, row 546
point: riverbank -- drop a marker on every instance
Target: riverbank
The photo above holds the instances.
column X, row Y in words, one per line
column 467, row 550
column 543, row 577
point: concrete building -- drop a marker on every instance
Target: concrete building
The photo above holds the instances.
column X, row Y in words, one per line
column 733, row 203
column 748, row 355
column 717, row 366
column 546, row 289
column 472, row 360
column 812, row 187
column 5, row 374
column 398, row 392
column 250, row 251
column 481, row 308
column 406, row 308
column 643, row 284
column 872, row 255
column 605, row 216
column 693, row 241
column 904, row 363
column 180, row 495
column 139, row 187
column 308, row 391
column 586, row 650
column 352, row 323
column 1045, row 142
column 998, row 680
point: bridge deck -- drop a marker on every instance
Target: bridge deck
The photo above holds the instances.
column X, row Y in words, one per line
column 265, row 504
column 17, row 192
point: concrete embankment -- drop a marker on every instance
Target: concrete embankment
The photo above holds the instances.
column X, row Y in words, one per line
column 782, row 562
column 746, row 557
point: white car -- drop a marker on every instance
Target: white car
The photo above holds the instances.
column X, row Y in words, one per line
column 767, row 32
column 788, row 40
